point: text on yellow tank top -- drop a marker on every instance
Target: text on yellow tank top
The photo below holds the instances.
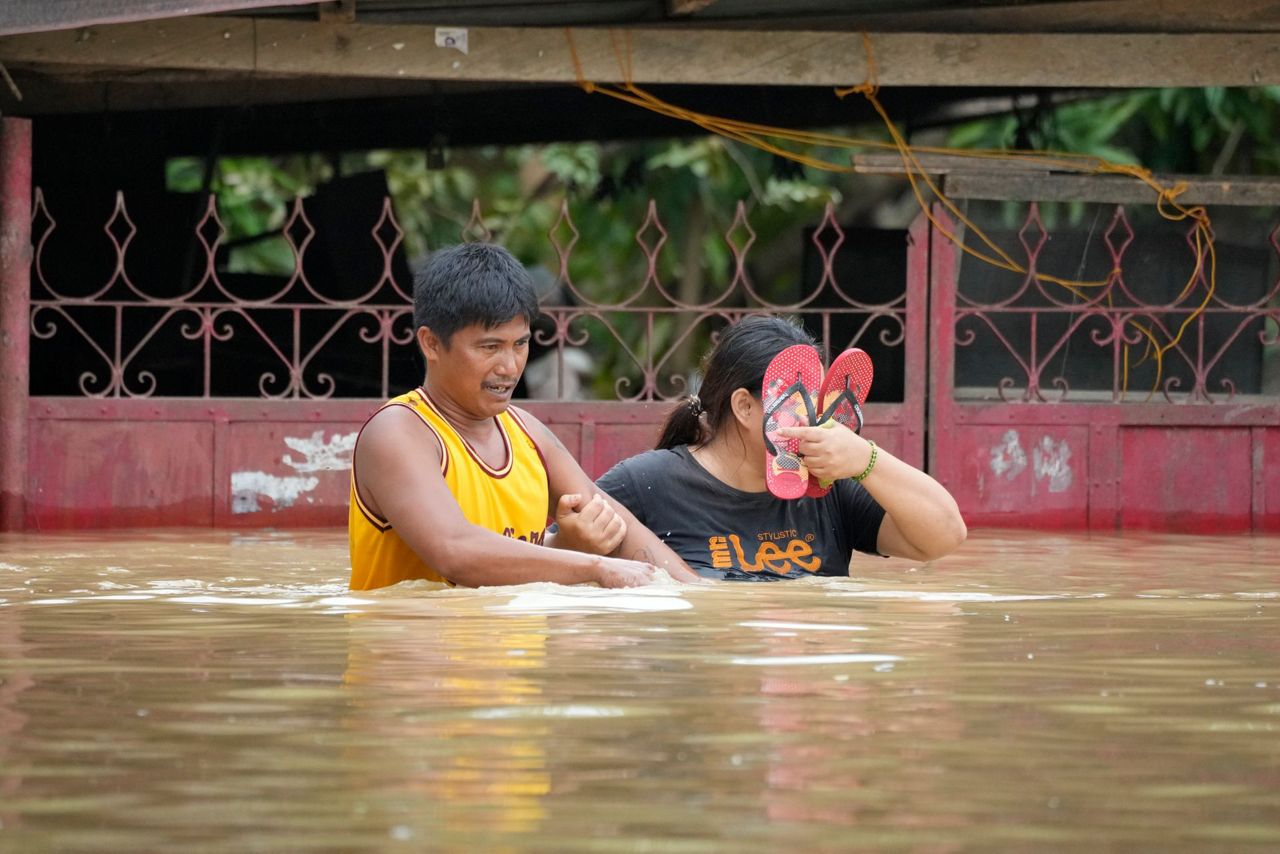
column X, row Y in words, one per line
column 511, row 501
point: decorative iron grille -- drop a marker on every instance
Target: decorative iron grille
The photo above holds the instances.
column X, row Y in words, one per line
column 1021, row 339
column 205, row 332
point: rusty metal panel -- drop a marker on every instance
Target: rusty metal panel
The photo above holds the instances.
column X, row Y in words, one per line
column 1186, row 479
column 570, row 435
column 249, row 454
column 600, row 433
column 911, row 415
column 112, row 474
column 1104, row 476
column 288, row 474
column 1017, row 476
column 614, row 442
column 189, row 409
column 15, row 292
column 1139, row 448
column 893, row 437
column 1267, row 480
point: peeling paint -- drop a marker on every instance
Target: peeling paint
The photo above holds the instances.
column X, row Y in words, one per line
column 248, row 486
column 1007, row 458
column 255, row 491
column 334, row 455
column 1051, row 460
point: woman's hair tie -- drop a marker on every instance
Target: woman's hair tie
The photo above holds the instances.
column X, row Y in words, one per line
column 695, row 405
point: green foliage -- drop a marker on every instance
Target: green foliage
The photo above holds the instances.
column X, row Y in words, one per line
column 695, row 185
column 1216, row 129
column 254, row 194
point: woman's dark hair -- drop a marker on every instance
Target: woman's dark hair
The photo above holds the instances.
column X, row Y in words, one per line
column 738, row 360
column 471, row 283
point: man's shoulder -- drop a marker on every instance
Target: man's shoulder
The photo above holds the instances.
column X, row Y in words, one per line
column 393, row 416
column 394, row 424
column 529, row 423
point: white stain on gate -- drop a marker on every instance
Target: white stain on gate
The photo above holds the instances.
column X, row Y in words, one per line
column 1050, row 461
column 319, row 455
column 1007, row 458
column 251, row 489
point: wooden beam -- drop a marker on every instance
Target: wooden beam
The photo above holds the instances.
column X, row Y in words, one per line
column 1017, row 180
column 1077, row 16
column 890, row 163
column 1240, row 190
column 30, row 16
column 101, row 90
column 320, row 49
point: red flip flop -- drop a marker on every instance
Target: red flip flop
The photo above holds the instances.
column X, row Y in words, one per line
column 790, row 383
column 844, row 390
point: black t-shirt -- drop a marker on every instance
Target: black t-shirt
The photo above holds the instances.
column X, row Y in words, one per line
column 722, row 532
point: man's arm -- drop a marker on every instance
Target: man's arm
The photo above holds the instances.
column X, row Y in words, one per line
column 565, row 476
column 586, row 523
column 398, row 460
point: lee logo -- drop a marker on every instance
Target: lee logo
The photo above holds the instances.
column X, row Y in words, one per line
column 780, row 557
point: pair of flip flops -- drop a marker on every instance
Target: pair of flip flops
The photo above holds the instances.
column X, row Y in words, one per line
column 792, row 383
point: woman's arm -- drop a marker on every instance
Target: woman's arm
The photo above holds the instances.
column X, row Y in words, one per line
column 922, row 520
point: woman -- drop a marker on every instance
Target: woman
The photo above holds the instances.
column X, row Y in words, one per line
column 703, row 490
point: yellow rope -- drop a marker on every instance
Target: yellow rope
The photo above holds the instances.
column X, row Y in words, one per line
column 767, row 138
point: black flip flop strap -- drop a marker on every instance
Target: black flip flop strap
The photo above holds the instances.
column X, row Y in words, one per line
column 790, row 390
column 843, row 396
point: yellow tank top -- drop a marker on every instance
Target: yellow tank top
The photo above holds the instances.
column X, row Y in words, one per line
column 512, row 500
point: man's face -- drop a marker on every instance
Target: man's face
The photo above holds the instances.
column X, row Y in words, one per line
column 480, row 367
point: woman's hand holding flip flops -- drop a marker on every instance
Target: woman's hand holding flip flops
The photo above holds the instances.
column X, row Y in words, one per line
column 829, row 453
column 802, row 457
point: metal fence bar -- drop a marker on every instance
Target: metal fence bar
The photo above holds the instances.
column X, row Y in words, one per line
column 296, row 338
column 15, row 289
column 1184, row 341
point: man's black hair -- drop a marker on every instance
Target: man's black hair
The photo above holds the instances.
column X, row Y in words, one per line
column 471, row 283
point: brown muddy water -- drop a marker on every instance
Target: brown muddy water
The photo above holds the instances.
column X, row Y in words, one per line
column 201, row 691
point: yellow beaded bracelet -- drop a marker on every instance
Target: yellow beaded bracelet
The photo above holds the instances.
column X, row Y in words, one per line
column 871, row 463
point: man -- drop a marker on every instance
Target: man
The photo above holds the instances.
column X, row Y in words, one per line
column 450, row 482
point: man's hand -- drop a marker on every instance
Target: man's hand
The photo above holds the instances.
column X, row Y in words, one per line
column 589, row 526
column 616, row 572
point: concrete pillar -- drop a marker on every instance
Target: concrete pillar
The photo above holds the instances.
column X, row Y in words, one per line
column 15, row 313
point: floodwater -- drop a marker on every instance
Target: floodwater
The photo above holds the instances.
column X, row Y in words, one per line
column 202, row 691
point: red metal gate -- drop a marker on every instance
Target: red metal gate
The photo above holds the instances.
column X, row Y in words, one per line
column 118, row 448
column 1026, row 447
column 1194, row 453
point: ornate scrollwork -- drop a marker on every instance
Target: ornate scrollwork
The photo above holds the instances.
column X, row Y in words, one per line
column 221, row 333
column 1141, row 346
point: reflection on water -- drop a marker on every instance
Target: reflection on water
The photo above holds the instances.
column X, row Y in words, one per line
column 210, row 691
